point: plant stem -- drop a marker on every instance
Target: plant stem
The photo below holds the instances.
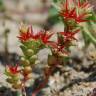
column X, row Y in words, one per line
column 48, row 72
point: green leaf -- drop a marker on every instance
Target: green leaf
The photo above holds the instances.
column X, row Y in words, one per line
column 32, row 44
column 6, row 72
column 93, row 17
column 24, row 49
column 28, row 44
column 24, row 61
column 87, row 29
column 33, row 59
column 86, row 38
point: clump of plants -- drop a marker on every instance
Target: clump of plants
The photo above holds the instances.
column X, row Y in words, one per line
column 72, row 13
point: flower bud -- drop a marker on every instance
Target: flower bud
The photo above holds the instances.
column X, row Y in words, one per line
column 24, row 61
column 33, row 59
column 30, row 52
column 9, row 72
column 27, row 69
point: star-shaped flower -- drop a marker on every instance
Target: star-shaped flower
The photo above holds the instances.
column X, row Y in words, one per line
column 73, row 13
column 69, row 36
column 12, row 69
column 28, row 34
column 45, row 38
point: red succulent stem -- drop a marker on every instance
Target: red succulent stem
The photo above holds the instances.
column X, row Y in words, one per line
column 42, row 85
column 47, row 73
